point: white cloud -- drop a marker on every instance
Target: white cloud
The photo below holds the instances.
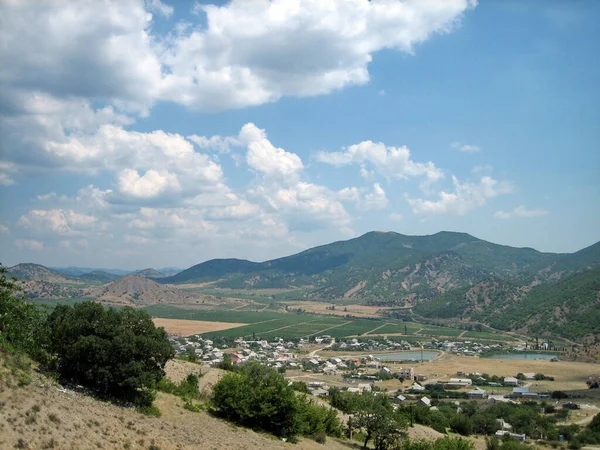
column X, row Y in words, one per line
column 29, row 244
column 245, row 53
column 4, row 229
column 56, row 221
column 221, row 144
column 375, row 199
column 520, row 212
column 466, row 196
column 159, row 7
column 267, row 159
column 393, row 162
column 149, row 185
column 256, row 52
column 396, row 217
column 466, row 148
column 48, row 45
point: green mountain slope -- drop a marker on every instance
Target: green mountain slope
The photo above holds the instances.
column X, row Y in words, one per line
column 391, row 268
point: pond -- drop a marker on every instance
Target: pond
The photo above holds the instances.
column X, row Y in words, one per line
column 406, row 356
column 524, row 356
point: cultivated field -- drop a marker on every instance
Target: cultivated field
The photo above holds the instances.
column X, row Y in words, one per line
column 184, row 327
column 341, row 310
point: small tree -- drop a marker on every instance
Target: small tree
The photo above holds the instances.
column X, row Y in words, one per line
column 379, row 421
column 117, row 353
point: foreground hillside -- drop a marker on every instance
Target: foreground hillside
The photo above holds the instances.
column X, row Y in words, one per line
column 44, row 415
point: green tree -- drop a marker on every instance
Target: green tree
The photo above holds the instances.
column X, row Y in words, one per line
column 379, row 421
column 258, row 397
column 116, row 353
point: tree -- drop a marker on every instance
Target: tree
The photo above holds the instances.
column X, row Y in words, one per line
column 116, row 353
column 21, row 322
column 258, row 397
column 379, row 421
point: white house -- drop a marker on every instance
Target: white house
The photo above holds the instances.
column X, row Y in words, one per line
column 406, row 372
column 426, row 401
column 511, row 381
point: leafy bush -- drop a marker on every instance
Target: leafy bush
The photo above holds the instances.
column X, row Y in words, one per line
column 116, row 353
column 259, row 397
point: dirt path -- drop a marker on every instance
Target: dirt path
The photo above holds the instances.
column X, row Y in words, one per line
column 375, row 329
column 461, row 334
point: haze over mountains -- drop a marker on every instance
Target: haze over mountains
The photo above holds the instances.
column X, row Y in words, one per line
column 438, row 276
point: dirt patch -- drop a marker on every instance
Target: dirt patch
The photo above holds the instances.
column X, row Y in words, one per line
column 184, row 327
column 341, row 310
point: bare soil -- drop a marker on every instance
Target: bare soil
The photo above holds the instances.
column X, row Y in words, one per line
column 184, row 327
column 341, row 310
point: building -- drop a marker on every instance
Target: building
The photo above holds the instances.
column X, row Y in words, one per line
column 425, row 401
column 520, row 391
column 477, row 393
column 406, row 373
column 460, row 382
column 511, row 381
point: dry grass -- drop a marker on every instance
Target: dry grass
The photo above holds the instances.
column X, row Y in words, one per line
column 187, row 327
column 341, row 310
column 41, row 415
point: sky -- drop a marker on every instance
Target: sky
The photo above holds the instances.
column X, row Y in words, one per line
column 161, row 133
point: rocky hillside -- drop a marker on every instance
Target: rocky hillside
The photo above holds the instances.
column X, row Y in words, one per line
column 149, row 273
column 391, row 268
column 139, row 291
column 36, row 272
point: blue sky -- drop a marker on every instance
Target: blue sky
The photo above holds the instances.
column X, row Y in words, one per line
column 138, row 134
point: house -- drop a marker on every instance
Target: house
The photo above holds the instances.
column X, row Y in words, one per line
column 385, row 371
column 406, row 373
column 364, row 387
column 421, row 377
column 399, row 399
column 460, row 382
column 417, row 388
column 476, row 393
column 520, row 391
column 511, row 381
column 354, row 390
column 425, row 401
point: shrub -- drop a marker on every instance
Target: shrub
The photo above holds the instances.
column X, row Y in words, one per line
column 116, row 353
column 149, row 410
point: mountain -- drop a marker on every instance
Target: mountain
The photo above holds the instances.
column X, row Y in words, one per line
column 36, row 272
column 139, row 291
column 99, row 276
column 569, row 307
column 168, row 271
column 77, row 271
column 149, row 273
column 211, row 270
column 386, row 267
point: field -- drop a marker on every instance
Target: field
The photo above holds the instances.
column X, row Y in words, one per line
column 260, row 321
column 184, row 327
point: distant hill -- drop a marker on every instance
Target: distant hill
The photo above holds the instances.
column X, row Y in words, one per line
column 148, row 273
column 392, row 268
column 77, row 271
column 99, row 276
column 36, row 272
column 139, row 291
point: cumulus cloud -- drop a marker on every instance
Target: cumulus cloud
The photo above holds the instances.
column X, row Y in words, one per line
column 392, row 162
column 466, row 196
column 29, row 244
column 264, row 157
column 520, row 212
column 466, row 148
column 241, row 53
column 375, row 199
column 396, row 217
column 149, row 185
column 4, row 229
column 57, row 221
